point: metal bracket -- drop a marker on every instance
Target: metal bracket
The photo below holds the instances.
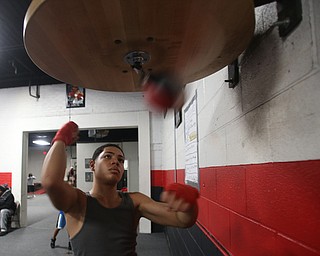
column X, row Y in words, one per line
column 258, row 3
column 37, row 96
column 289, row 17
column 136, row 59
column 233, row 71
column 289, row 14
column 290, row 11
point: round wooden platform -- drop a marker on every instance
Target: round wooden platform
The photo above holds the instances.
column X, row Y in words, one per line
column 84, row 43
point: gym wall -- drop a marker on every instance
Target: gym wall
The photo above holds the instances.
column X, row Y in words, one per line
column 258, row 143
column 258, row 148
column 20, row 114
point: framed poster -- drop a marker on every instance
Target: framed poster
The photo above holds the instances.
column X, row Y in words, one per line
column 88, row 176
column 87, row 163
column 75, row 96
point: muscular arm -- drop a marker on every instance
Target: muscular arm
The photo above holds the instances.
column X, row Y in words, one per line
column 62, row 195
column 183, row 215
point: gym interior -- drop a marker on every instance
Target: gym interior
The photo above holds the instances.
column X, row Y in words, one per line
column 256, row 152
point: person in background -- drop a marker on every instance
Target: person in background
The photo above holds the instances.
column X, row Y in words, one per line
column 72, row 177
column 7, row 208
column 30, row 181
column 105, row 220
column 60, row 224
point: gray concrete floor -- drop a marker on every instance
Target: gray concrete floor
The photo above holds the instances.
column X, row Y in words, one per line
column 35, row 238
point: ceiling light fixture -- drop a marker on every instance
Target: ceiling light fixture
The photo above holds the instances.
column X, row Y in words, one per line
column 41, row 142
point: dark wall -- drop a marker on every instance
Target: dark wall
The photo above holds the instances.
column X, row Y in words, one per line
column 191, row 241
column 155, row 195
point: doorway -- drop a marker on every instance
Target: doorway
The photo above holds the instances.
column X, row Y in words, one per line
column 37, row 150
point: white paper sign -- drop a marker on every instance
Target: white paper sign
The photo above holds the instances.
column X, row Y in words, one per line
column 191, row 143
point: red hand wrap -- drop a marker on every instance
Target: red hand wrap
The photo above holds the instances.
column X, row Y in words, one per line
column 186, row 192
column 66, row 133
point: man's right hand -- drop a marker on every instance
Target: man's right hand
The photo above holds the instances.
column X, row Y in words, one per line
column 180, row 197
column 67, row 133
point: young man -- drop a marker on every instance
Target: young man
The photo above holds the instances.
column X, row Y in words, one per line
column 7, row 208
column 104, row 221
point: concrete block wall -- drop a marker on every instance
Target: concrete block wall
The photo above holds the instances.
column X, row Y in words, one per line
column 258, row 147
column 156, row 140
column 20, row 114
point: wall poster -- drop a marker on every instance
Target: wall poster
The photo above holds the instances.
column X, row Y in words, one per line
column 88, row 177
column 75, row 96
column 191, row 143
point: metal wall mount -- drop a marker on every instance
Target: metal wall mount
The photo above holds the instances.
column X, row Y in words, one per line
column 289, row 17
column 290, row 11
column 289, row 14
column 233, row 74
column 37, row 96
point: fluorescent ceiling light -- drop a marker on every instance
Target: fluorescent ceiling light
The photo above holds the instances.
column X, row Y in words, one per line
column 41, row 142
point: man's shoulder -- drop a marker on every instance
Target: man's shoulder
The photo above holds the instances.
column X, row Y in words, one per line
column 135, row 194
column 138, row 198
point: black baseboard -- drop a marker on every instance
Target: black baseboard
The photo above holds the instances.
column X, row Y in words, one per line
column 190, row 242
column 155, row 195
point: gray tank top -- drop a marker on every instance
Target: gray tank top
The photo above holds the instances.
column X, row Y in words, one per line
column 107, row 231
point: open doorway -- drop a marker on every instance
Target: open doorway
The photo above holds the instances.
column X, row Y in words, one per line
column 90, row 139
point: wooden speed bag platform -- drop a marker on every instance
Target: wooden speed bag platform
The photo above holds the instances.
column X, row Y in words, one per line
column 92, row 43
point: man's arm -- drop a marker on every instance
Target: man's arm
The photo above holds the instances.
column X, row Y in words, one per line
column 178, row 208
column 62, row 195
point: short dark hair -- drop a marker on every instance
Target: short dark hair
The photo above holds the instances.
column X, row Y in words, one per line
column 98, row 151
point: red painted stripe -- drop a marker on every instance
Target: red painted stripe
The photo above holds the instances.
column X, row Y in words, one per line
column 6, row 178
column 169, row 177
column 261, row 209
column 180, row 176
column 286, row 197
column 160, row 178
column 157, row 178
